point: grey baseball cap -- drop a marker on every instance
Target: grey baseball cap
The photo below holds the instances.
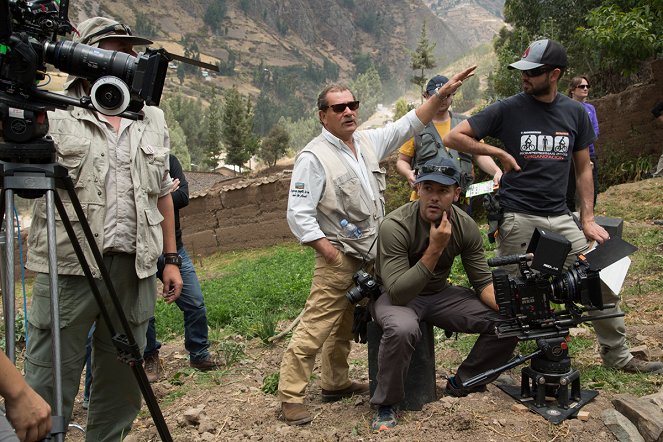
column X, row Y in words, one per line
column 539, row 53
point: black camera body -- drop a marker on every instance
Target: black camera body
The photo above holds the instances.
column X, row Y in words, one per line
column 365, row 285
column 544, row 300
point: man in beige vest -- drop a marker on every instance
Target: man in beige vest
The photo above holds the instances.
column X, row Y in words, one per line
column 336, row 177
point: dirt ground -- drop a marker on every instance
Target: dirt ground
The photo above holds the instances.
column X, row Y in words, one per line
column 234, row 407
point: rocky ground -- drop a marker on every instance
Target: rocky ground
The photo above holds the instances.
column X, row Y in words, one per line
column 230, row 406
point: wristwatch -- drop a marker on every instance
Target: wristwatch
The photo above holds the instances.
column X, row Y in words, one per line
column 172, row 258
column 438, row 95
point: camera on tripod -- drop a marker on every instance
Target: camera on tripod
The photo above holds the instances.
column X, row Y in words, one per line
column 365, row 286
column 28, row 32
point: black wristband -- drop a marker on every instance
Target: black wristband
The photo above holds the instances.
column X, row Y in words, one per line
column 172, row 258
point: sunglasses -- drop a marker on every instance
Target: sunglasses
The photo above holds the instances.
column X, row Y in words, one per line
column 340, row 107
column 537, row 71
column 445, row 170
column 583, row 86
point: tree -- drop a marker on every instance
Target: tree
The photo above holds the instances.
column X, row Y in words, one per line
column 274, row 146
column 402, row 107
column 422, row 59
column 368, row 89
column 237, row 129
column 187, row 113
column 302, row 130
column 214, row 15
column 178, row 142
column 213, row 137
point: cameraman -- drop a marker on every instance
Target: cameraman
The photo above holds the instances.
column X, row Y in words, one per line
column 544, row 132
column 417, row 245
column 120, row 172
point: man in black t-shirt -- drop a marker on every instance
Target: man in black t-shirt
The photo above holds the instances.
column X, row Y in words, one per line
column 543, row 132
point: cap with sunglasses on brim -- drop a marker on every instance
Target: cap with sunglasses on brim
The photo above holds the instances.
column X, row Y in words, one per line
column 541, row 53
column 434, row 83
column 442, row 171
column 96, row 29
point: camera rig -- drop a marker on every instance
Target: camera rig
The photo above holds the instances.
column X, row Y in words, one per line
column 541, row 305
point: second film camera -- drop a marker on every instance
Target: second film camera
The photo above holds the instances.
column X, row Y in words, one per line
column 545, row 299
column 365, row 285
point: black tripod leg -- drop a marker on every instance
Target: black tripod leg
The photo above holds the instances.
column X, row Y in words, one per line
column 126, row 344
column 8, row 281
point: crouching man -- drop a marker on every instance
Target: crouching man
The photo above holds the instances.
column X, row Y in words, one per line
column 417, row 244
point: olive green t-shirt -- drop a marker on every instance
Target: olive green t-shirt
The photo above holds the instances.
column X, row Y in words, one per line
column 402, row 241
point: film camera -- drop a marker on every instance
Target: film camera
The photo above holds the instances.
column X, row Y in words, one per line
column 527, row 300
column 28, row 32
column 542, row 304
column 365, row 285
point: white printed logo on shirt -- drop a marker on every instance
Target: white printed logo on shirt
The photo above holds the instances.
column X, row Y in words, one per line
column 534, row 144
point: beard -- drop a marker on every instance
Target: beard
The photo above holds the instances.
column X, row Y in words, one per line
column 537, row 91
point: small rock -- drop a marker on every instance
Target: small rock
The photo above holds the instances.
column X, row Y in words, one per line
column 206, row 425
column 640, row 352
column 578, row 331
column 193, row 415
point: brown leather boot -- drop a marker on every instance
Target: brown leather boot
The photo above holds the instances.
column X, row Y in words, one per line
column 295, row 414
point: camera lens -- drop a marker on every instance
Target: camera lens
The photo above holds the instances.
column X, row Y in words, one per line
column 90, row 62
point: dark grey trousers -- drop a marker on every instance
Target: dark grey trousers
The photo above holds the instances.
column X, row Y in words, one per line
column 455, row 309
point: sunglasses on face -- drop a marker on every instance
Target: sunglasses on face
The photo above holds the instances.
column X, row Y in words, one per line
column 445, row 170
column 537, row 71
column 340, row 107
column 583, row 86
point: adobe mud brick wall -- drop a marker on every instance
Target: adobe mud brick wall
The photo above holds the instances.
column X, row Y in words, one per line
column 626, row 121
column 245, row 214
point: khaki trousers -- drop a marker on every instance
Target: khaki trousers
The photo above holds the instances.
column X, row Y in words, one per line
column 326, row 324
column 115, row 397
column 514, row 234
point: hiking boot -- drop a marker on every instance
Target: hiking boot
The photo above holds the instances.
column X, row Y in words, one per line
column 384, row 419
column 205, row 364
column 638, row 366
column 153, row 367
column 337, row 395
column 295, row 414
column 458, row 391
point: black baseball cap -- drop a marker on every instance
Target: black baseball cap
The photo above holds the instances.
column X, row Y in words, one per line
column 435, row 82
column 540, row 53
column 441, row 170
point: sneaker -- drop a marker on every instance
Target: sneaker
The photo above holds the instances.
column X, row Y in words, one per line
column 337, row 395
column 153, row 367
column 205, row 364
column 295, row 414
column 384, row 419
column 458, row 391
column 638, row 366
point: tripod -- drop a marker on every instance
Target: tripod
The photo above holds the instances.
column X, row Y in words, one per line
column 31, row 172
column 544, row 386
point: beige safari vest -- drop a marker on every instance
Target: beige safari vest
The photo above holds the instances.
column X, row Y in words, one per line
column 345, row 197
column 82, row 149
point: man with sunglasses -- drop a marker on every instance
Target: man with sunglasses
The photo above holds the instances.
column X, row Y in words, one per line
column 119, row 168
column 417, row 245
column 338, row 176
column 543, row 132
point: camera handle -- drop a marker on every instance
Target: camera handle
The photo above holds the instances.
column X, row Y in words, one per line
column 37, row 180
column 496, row 371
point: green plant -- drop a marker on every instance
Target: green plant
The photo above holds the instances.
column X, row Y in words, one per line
column 618, row 166
column 231, row 351
column 270, row 383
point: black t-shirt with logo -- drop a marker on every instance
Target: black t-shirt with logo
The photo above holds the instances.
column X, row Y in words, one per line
column 541, row 137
